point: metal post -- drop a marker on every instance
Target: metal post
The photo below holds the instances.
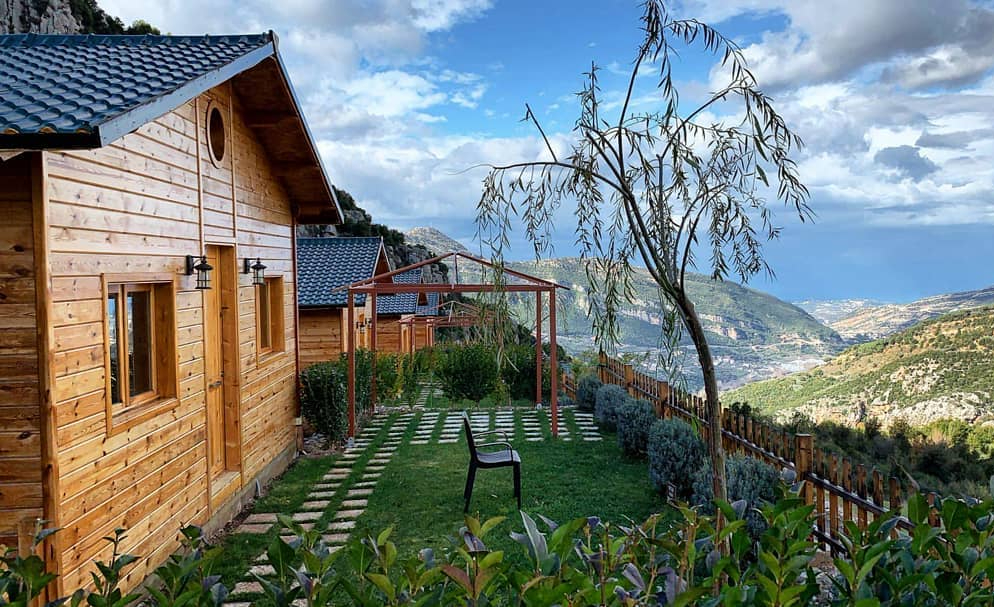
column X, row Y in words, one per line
column 553, row 362
column 350, row 331
column 538, row 348
column 372, row 347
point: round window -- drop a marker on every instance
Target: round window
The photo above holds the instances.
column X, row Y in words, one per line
column 215, row 133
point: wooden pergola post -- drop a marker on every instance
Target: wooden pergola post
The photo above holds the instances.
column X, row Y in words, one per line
column 350, row 331
column 553, row 362
column 372, row 348
column 538, row 347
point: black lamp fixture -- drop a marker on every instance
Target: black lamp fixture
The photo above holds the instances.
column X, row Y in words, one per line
column 361, row 325
column 257, row 270
column 198, row 264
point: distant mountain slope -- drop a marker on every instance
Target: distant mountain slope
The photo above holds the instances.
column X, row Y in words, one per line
column 880, row 321
column 753, row 335
column 940, row 368
column 434, row 240
column 828, row 311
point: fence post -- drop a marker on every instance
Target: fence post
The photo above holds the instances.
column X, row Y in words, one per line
column 602, row 367
column 630, row 380
column 803, row 453
column 662, row 397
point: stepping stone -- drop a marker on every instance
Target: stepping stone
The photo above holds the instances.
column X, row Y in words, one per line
column 253, row 528
column 341, row 526
column 591, row 439
column 379, row 461
column 335, row 476
column 316, row 505
column 375, row 468
column 533, row 439
column 371, row 476
column 326, row 486
column 419, row 442
column 321, row 495
column 306, row 516
column 359, row 492
column 447, row 441
column 261, row 517
column 262, row 570
column 238, row 604
column 355, row 504
column 347, row 514
column 247, row 588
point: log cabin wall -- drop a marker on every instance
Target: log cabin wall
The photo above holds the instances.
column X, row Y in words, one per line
column 138, row 207
column 20, row 406
column 320, row 335
column 388, row 334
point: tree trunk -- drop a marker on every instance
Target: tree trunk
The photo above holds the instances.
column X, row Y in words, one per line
column 713, row 409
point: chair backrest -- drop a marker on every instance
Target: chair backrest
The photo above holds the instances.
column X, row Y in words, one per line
column 469, row 434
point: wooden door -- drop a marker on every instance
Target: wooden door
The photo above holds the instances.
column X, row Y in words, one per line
column 214, row 368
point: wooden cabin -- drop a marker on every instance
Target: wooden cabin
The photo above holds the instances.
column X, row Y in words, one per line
column 137, row 388
column 328, row 264
column 325, row 264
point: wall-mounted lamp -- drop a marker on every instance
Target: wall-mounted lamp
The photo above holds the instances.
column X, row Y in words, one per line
column 361, row 325
column 257, row 270
column 198, row 264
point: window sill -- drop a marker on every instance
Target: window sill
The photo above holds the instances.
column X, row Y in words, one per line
column 132, row 416
column 263, row 359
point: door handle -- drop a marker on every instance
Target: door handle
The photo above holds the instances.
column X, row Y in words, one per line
column 216, row 384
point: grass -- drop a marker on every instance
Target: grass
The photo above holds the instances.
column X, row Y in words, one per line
column 420, row 491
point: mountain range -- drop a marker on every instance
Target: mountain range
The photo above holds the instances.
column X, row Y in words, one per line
column 753, row 335
column 939, row 368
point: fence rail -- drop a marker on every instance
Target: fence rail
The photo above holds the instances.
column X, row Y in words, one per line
column 840, row 490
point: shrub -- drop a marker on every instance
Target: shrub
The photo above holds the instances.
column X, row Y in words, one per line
column 468, row 371
column 634, row 420
column 675, row 452
column 387, row 376
column 518, row 373
column 749, row 479
column 586, row 392
column 610, row 398
column 324, row 401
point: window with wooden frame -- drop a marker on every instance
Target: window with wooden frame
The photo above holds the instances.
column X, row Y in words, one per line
column 140, row 346
column 269, row 316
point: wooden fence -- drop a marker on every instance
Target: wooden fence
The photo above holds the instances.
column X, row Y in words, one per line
column 840, row 489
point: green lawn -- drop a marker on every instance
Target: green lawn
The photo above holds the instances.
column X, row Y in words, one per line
column 420, row 492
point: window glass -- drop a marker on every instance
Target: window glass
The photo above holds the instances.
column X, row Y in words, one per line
column 139, row 318
column 265, row 318
column 114, row 344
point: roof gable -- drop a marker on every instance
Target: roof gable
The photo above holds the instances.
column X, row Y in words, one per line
column 86, row 91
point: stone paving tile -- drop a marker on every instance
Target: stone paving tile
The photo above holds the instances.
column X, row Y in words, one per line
column 359, row 492
column 247, row 588
column 375, row 468
column 256, row 528
column 262, row 517
column 306, row 516
column 315, row 505
column 238, row 604
column 341, row 526
column 348, row 514
column 354, row 504
column 364, row 484
column 320, row 495
column 419, row 442
column 262, row 570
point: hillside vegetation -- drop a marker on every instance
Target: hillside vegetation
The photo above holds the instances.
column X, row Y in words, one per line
column 938, row 369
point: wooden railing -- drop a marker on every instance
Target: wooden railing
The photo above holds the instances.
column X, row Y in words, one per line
column 840, row 490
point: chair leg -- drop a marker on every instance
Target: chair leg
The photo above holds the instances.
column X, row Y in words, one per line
column 517, row 484
column 468, row 493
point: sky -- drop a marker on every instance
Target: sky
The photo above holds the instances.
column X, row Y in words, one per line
column 894, row 100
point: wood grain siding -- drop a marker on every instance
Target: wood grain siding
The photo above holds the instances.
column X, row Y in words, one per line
column 20, row 407
column 388, row 334
column 140, row 206
column 320, row 335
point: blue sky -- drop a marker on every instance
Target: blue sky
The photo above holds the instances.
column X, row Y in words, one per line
column 894, row 99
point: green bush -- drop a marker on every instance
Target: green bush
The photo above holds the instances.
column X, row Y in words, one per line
column 324, row 394
column 387, row 376
column 518, row 373
column 634, row 420
column 468, row 371
column 610, row 398
column 586, row 392
column 324, row 399
column 675, row 452
column 749, row 479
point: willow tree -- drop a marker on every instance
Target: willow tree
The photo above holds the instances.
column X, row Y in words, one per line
column 662, row 188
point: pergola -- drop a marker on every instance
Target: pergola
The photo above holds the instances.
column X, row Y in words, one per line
column 513, row 282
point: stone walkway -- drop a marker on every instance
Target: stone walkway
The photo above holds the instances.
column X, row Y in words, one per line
column 336, row 501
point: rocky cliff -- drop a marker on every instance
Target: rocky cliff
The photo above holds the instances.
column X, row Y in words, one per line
column 63, row 17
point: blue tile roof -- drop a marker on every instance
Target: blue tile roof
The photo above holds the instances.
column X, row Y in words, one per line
column 326, row 263
column 431, row 308
column 83, row 91
column 400, row 303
